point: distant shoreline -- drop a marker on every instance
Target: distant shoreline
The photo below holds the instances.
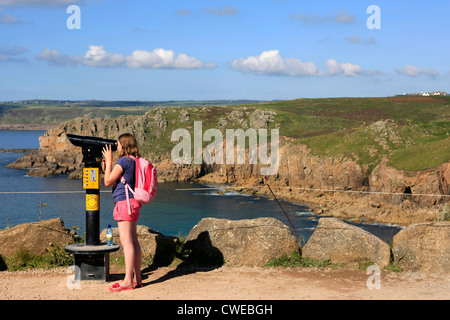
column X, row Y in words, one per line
column 27, row 126
column 19, row 150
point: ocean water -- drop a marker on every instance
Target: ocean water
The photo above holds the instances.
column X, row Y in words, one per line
column 173, row 212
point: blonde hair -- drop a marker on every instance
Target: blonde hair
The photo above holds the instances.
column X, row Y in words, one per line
column 129, row 145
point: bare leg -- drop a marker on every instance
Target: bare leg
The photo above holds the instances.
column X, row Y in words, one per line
column 126, row 239
column 137, row 255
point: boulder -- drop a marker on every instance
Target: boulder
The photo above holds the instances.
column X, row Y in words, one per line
column 423, row 247
column 444, row 214
column 153, row 243
column 341, row 242
column 35, row 237
column 240, row 242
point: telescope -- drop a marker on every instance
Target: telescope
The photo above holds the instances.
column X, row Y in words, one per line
column 92, row 258
column 91, row 147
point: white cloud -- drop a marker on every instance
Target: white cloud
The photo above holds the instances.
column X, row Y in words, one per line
column 183, row 12
column 55, row 58
column 311, row 19
column 356, row 39
column 347, row 69
column 413, row 71
column 271, row 63
column 9, row 19
column 96, row 56
column 344, row 17
column 39, row 3
column 164, row 59
column 222, row 11
column 341, row 17
column 10, row 55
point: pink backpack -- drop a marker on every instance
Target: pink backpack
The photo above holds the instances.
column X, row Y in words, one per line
column 146, row 182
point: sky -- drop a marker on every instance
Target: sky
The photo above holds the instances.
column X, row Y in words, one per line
column 208, row 50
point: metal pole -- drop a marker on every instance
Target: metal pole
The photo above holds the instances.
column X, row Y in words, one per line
column 91, row 183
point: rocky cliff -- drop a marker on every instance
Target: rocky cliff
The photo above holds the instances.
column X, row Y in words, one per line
column 401, row 197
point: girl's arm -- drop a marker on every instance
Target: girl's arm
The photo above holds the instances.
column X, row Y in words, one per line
column 111, row 175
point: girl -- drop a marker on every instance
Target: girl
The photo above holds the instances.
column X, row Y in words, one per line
column 125, row 166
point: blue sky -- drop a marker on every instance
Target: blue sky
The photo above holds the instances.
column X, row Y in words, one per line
column 207, row 49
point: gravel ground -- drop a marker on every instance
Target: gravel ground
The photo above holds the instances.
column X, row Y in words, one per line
column 236, row 283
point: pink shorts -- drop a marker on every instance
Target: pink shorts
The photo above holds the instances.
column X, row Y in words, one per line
column 121, row 210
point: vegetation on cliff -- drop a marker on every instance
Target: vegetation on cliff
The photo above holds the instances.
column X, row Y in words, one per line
column 412, row 132
column 394, row 145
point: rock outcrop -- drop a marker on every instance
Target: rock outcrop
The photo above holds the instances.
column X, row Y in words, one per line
column 212, row 242
column 240, row 242
column 410, row 186
column 35, row 237
column 423, row 247
column 341, row 242
column 301, row 175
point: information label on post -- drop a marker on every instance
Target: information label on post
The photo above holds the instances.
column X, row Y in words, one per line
column 92, row 202
column 91, row 178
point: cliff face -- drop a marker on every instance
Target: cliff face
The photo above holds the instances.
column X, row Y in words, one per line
column 302, row 176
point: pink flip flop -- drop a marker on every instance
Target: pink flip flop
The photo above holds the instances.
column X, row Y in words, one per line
column 116, row 287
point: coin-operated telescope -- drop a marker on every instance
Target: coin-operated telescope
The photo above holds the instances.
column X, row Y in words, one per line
column 92, row 258
column 91, row 146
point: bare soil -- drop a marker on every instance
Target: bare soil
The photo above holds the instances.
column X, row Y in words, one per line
column 236, row 283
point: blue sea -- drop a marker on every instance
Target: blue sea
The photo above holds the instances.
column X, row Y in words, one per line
column 173, row 212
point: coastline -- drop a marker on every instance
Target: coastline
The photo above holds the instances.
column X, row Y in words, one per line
column 352, row 207
column 315, row 208
column 27, row 126
column 390, row 207
column 17, row 150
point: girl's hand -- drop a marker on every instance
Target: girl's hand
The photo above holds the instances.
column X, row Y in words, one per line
column 107, row 154
column 111, row 174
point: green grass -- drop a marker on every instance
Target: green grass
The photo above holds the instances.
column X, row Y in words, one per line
column 345, row 127
column 421, row 157
column 24, row 259
column 55, row 112
column 296, row 261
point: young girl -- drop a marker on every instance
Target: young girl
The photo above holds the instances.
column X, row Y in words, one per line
column 125, row 166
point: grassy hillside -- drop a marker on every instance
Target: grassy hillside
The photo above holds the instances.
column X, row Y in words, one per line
column 412, row 131
column 55, row 112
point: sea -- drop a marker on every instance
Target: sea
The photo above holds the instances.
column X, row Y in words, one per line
column 176, row 209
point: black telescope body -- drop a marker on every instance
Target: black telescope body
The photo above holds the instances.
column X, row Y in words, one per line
column 91, row 146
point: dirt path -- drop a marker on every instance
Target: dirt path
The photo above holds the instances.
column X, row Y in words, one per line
column 243, row 283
